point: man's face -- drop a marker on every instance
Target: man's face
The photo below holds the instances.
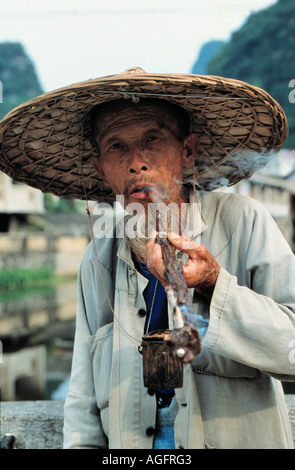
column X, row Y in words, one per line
column 136, row 150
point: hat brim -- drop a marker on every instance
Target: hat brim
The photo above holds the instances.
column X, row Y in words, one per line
column 43, row 142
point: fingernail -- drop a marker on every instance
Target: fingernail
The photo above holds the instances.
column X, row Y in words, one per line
column 174, row 235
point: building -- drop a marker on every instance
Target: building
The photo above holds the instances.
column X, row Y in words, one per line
column 17, row 201
column 274, row 186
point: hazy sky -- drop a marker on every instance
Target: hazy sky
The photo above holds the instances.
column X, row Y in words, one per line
column 71, row 41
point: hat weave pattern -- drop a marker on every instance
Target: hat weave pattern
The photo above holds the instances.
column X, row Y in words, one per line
column 45, row 142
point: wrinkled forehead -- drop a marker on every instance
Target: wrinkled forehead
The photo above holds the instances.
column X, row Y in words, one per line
column 113, row 115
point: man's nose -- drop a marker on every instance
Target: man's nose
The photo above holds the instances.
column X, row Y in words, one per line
column 138, row 164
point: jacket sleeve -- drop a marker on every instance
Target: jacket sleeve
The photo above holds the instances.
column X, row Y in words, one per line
column 254, row 323
column 82, row 424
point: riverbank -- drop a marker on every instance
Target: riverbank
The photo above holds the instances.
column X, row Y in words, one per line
column 28, row 251
column 38, row 305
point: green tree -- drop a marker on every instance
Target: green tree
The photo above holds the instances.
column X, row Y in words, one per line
column 207, row 52
column 262, row 53
column 19, row 79
column 20, row 83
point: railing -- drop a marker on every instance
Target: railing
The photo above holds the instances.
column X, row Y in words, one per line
column 39, row 424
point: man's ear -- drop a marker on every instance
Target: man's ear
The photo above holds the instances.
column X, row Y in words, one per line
column 190, row 148
column 96, row 165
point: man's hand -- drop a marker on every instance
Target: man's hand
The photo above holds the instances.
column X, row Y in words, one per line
column 200, row 271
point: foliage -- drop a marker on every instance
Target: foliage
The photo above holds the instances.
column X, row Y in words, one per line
column 12, row 279
column 20, row 83
column 262, row 53
column 44, row 289
column 18, row 76
column 54, row 204
column 207, row 52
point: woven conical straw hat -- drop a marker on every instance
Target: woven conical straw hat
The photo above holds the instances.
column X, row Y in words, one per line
column 44, row 143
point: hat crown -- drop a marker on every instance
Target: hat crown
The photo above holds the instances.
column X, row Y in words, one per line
column 135, row 70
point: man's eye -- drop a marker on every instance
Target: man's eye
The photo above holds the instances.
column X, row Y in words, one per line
column 151, row 138
column 116, row 146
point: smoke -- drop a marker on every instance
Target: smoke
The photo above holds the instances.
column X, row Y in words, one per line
column 233, row 168
column 141, row 222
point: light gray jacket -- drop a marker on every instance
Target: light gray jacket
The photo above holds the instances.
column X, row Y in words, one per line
column 232, row 396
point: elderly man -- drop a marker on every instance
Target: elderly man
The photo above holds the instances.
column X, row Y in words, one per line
column 141, row 146
column 236, row 264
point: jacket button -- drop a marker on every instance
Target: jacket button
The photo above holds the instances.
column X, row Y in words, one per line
column 150, row 432
column 151, row 391
column 142, row 312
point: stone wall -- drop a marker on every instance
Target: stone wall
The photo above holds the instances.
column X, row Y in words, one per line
column 27, row 250
column 34, row 424
column 39, row 424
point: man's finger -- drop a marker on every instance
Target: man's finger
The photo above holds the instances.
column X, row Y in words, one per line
column 182, row 243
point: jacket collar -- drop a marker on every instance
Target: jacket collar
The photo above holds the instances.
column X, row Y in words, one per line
column 195, row 223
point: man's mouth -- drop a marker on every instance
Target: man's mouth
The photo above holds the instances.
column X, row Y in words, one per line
column 141, row 191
